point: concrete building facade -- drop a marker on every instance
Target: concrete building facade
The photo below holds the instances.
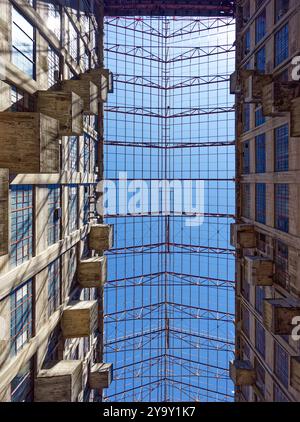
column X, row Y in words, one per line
column 52, row 269
column 266, row 235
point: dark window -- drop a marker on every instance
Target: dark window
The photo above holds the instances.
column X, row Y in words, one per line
column 259, row 117
column 246, row 157
column 282, row 207
column 54, row 209
column 73, row 208
column 260, row 26
column 246, row 321
column 21, row 317
column 281, row 263
column 246, row 199
column 247, row 42
column 72, row 264
column 260, row 153
column 261, row 203
column 261, row 242
column 281, row 364
column 246, row 12
column 86, row 205
column 260, row 377
column 21, row 100
column 282, row 148
column 86, row 154
column 260, row 60
column 23, row 44
column 281, row 7
column 54, row 281
column 53, row 66
column 258, row 3
column 21, row 224
column 259, row 299
column 22, row 385
column 246, row 118
column 260, row 339
column 52, row 352
column 279, row 396
column 282, row 45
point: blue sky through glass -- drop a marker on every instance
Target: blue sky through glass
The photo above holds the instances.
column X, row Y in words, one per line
column 169, row 299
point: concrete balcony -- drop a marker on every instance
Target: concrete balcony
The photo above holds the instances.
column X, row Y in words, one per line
column 101, row 376
column 242, row 373
column 295, row 373
column 295, row 118
column 86, row 90
column 101, row 237
column 59, row 382
column 66, row 107
column 259, row 271
column 279, row 314
column 79, row 319
column 29, row 143
column 92, row 272
column 102, row 78
column 253, row 83
column 242, row 236
column 277, row 97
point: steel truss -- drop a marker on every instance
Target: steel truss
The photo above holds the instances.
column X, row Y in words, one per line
column 169, row 317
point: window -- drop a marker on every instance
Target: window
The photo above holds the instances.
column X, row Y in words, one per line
column 73, row 153
column 73, row 42
column 259, row 299
column 279, row 396
column 23, row 44
column 246, row 157
column 54, row 210
column 53, row 346
column 260, row 377
column 86, row 205
column 281, row 7
column 281, row 263
column 22, row 385
column 21, row 224
column 86, row 154
column 54, row 20
column 281, row 364
column 258, row 3
column 260, row 153
column 246, row 321
column 260, row 60
column 247, row 42
column 73, row 209
column 72, row 265
column 281, row 136
column 246, row 196
column 282, row 207
column 260, row 339
column 282, row 45
column 245, row 286
column 260, row 26
column 259, row 117
column 53, row 66
column 54, row 281
column 21, row 100
column 246, row 117
column 261, row 203
column 246, row 12
column 21, row 316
